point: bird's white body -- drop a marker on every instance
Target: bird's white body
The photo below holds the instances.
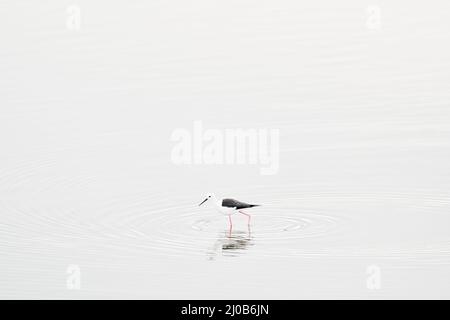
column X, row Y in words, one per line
column 217, row 204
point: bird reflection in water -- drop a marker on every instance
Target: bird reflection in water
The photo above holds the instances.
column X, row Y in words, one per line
column 231, row 244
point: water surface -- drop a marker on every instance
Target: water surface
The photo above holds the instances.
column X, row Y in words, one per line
column 86, row 177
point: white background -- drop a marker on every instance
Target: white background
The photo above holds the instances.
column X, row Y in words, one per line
column 86, row 177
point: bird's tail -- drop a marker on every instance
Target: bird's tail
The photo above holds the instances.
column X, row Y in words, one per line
column 254, row 205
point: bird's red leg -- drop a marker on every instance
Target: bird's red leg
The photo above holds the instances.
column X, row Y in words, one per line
column 246, row 214
column 231, row 225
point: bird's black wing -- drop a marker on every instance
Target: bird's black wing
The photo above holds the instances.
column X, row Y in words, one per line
column 231, row 203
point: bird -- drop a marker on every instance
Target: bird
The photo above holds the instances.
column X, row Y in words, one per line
column 228, row 207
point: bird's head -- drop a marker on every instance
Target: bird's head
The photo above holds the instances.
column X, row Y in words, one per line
column 208, row 197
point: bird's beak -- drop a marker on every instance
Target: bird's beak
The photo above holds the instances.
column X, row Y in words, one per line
column 203, row 202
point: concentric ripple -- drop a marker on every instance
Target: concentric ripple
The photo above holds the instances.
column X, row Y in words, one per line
column 189, row 230
column 313, row 224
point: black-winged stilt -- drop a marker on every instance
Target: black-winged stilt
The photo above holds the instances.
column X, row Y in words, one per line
column 229, row 207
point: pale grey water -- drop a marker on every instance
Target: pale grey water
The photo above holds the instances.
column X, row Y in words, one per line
column 86, row 177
